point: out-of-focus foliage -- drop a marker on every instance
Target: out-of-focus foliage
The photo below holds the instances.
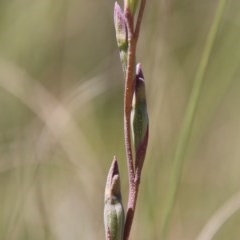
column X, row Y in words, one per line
column 61, row 117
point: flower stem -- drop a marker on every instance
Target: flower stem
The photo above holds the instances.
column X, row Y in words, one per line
column 128, row 96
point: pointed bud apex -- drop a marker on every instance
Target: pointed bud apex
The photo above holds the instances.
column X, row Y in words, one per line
column 120, row 27
column 139, row 117
column 113, row 209
column 140, row 85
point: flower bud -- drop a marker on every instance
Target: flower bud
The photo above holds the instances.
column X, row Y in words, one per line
column 120, row 27
column 132, row 5
column 139, row 116
column 113, row 209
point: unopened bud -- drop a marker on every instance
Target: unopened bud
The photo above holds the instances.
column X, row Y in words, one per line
column 113, row 208
column 120, row 27
column 139, row 116
column 132, row 5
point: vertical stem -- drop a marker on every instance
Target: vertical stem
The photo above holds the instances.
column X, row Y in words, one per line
column 189, row 118
column 128, row 95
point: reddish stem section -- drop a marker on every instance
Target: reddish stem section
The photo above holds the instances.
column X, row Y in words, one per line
column 128, row 95
column 139, row 18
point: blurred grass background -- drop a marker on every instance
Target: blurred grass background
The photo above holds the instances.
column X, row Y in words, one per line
column 61, row 108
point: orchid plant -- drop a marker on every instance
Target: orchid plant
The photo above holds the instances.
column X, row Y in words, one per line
column 127, row 23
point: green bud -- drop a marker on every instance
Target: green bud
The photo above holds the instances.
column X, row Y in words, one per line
column 139, row 116
column 113, row 208
column 132, row 5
